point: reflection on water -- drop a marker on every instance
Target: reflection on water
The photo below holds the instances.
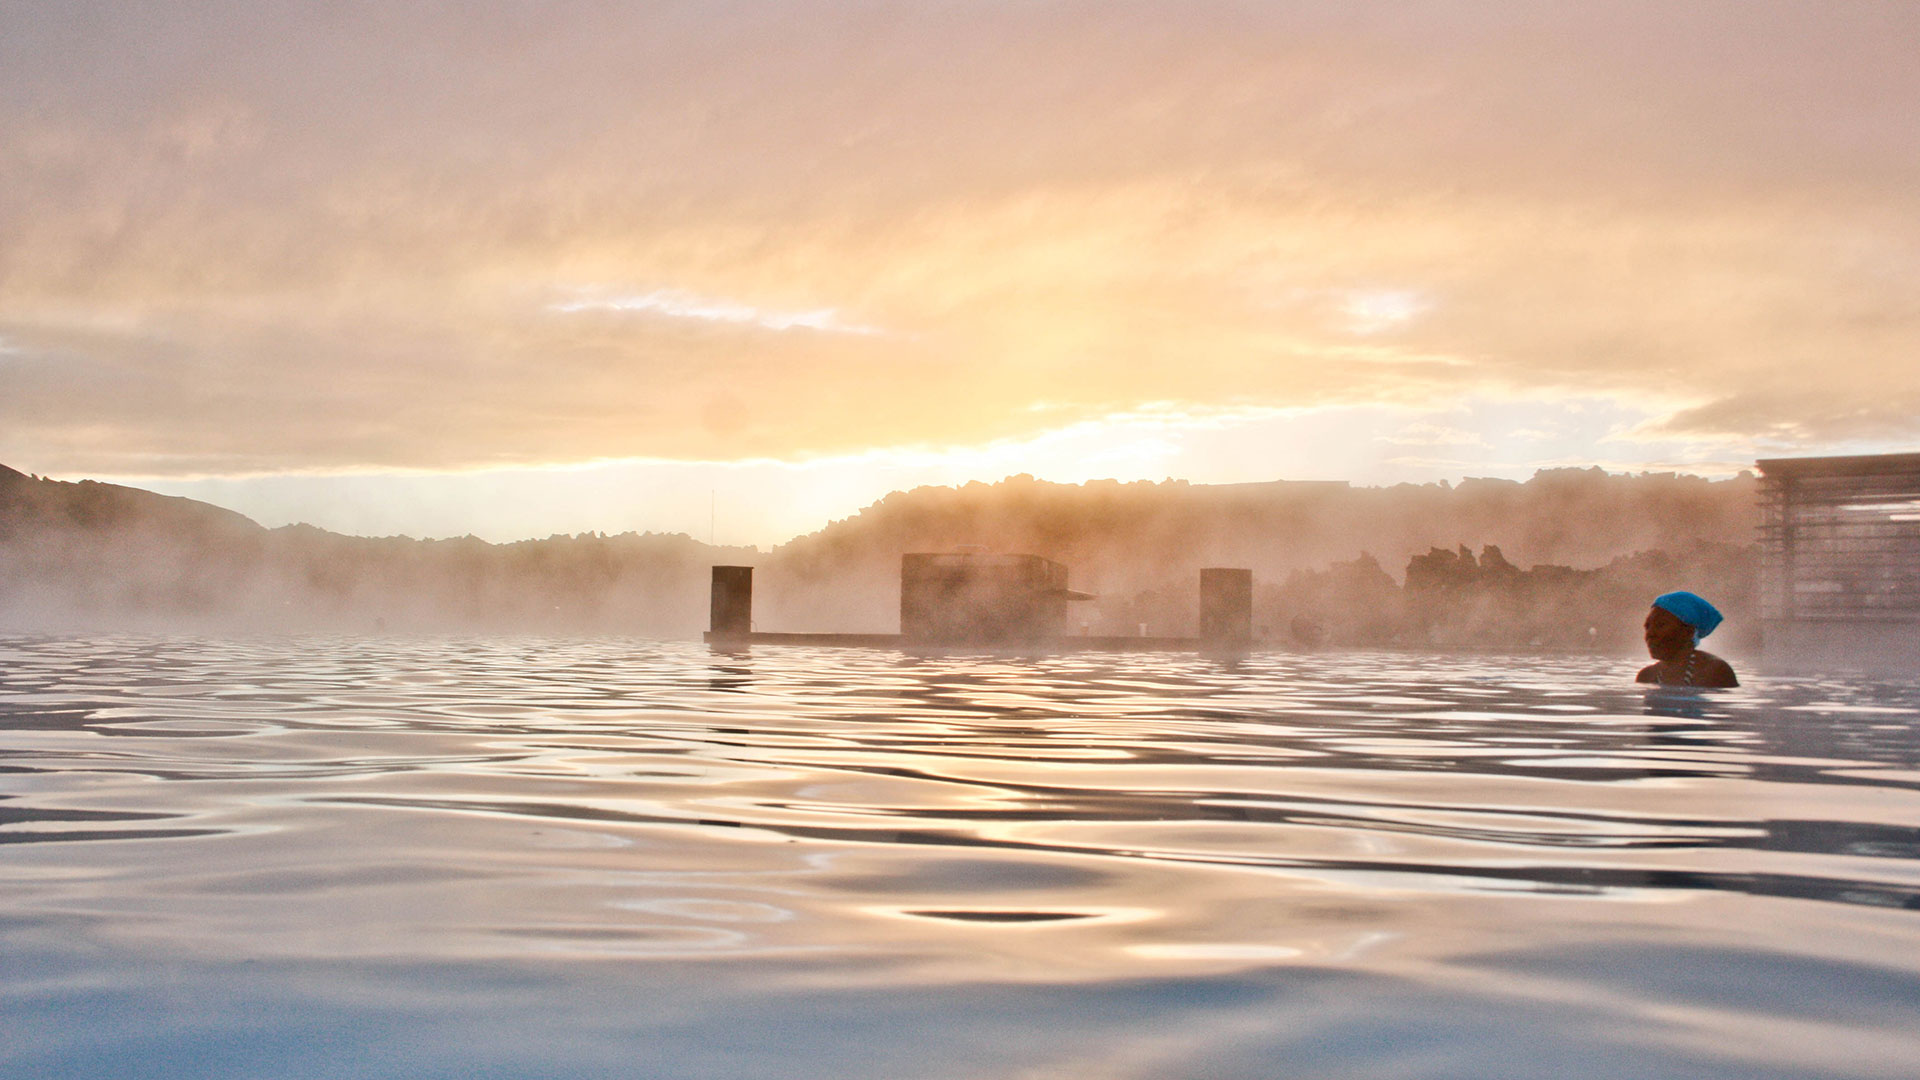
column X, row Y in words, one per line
column 599, row 857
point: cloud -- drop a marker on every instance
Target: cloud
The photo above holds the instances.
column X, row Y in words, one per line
column 1814, row 414
column 263, row 238
column 1426, row 433
column 1370, row 311
column 674, row 303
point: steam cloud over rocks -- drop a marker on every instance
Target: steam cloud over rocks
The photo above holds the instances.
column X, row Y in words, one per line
column 1566, row 559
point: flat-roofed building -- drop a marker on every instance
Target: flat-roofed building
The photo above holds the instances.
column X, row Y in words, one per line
column 1840, row 562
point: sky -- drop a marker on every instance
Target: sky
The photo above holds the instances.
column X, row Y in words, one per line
column 740, row 269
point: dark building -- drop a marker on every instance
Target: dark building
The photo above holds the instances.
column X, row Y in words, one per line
column 1226, row 605
column 1840, row 562
column 731, row 613
column 972, row 599
column 967, row 598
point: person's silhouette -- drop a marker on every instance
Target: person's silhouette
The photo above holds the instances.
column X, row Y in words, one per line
column 1674, row 627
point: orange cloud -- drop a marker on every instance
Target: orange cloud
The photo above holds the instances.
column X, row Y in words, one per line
column 790, row 230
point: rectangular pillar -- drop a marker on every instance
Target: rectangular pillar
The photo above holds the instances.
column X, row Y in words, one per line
column 1226, row 606
column 732, row 612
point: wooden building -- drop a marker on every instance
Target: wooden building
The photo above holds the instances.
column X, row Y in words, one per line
column 1840, row 562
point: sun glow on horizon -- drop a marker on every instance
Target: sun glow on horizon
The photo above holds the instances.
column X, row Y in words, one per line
column 765, row 501
column 642, row 256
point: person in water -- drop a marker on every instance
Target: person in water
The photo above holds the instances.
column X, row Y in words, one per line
column 1674, row 628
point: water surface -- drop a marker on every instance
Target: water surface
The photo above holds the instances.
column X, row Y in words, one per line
column 324, row 857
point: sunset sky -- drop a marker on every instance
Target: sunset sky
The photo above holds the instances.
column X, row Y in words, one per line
column 737, row 269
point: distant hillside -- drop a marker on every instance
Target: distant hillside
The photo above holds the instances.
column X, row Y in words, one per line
column 71, row 549
column 1140, row 545
column 1567, row 550
column 91, row 554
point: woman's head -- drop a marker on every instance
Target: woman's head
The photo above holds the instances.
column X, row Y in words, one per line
column 1667, row 637
column 1677, row 622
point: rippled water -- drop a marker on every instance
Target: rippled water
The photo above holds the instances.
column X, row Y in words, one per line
column 557, row 858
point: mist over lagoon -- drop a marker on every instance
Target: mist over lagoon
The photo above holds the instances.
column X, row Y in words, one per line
column 326, row 804
column 1565, row 560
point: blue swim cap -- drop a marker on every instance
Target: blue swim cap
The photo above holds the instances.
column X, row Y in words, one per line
column 1692, row 610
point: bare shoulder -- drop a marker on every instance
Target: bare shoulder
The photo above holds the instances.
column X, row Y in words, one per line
column 1649, row 674
column 1713, row 671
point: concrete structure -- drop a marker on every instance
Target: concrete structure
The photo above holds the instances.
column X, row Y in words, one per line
column 971, row 599
column 977, row 599
column 731, row 613
column 1840, row 563
column 1226, row 606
